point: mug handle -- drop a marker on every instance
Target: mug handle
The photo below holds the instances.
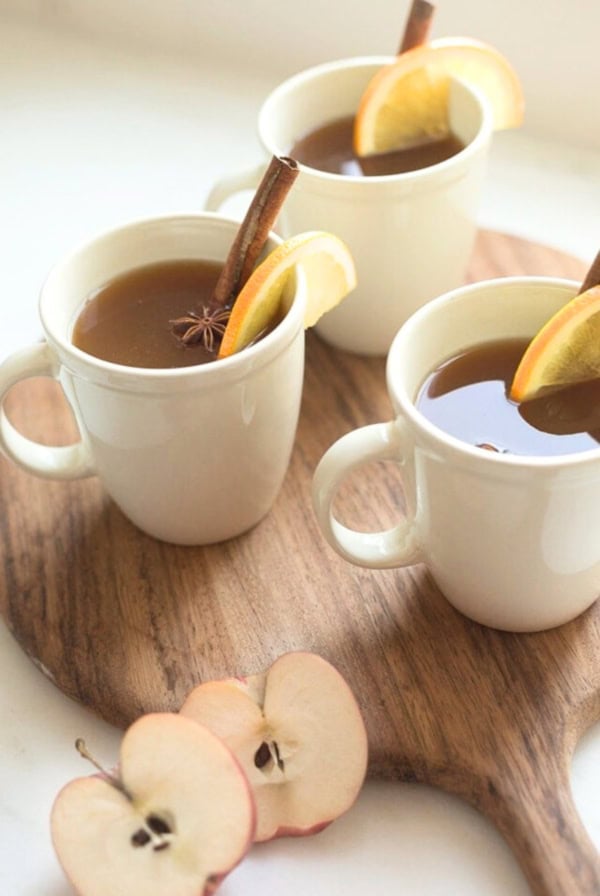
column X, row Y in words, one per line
column 390, row 548
column 50, row 462
column 234, row 183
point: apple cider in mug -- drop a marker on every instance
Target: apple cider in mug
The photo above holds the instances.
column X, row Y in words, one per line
column 330, row 148
column 467, row 396
column 134, row 318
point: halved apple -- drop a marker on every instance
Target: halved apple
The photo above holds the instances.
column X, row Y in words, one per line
column 297, row 732
column 176, row 818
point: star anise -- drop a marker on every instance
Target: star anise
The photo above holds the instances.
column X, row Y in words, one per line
column 206, row 326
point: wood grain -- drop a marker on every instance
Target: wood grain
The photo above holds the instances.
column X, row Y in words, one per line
column 126, row 624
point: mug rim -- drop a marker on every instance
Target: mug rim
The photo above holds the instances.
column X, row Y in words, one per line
column 438, row 438
column 144, row 379
column 420, row 177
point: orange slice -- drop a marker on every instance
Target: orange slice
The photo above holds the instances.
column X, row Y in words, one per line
column 329, row 273
column 408, row 100
column 565, row 351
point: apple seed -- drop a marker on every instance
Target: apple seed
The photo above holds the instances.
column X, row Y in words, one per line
column 140, row 838
column 262, row 755
column 267, row 754
column 155, row 831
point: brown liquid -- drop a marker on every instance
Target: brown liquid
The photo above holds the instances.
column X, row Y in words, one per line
column 467, row 397
column 127, row 319
column 329, row 148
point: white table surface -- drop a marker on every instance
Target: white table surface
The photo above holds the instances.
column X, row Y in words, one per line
column 91, row 138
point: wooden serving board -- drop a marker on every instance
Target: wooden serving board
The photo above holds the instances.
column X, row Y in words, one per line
column 126, row 624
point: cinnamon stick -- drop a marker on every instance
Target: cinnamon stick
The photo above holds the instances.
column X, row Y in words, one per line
column 592, row 278
column 254, row 229
column 418, row 25
column 207, row 325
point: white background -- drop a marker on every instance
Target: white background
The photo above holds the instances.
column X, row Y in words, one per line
column 123, row 108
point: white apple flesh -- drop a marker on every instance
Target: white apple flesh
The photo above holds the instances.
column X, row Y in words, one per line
column 174, row 821
column 297, row 732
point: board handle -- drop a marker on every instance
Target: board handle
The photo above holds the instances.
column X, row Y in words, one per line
column 532, row 806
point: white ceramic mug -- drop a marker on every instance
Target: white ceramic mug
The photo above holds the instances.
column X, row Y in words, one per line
column 191, row 455
column 410, row 234
column 513, row 542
